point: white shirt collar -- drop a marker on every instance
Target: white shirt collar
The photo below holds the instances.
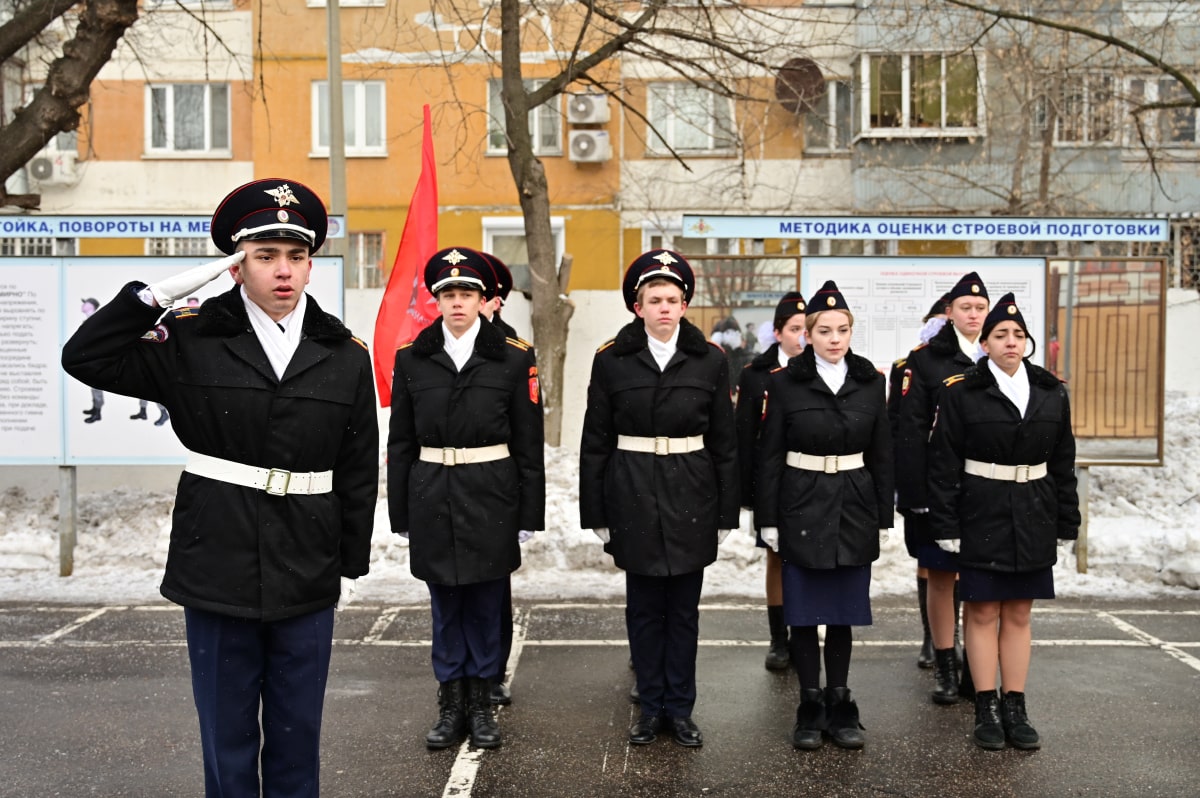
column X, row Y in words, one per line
column 783, row 358
column 663, row 351
column 1016, row 387
column 971, row 349
column 460, row 349
column 834, row 374
column 278, row 344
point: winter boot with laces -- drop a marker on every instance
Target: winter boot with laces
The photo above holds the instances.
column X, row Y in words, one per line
column 1017, row 729
column 989, row 733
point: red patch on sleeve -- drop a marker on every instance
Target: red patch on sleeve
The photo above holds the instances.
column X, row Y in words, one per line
column 907, row 381
column 533, row 390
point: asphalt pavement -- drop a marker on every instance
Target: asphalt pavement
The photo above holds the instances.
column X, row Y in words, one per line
column 96, row 701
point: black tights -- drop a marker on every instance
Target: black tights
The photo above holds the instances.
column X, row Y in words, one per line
column 806, row 655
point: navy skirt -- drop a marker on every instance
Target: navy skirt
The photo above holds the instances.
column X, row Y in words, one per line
column 834, row 596
column 929, row 555
column 975, row 584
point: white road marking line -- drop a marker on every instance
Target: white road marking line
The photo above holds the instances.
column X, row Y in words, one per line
column 75, row 624
column 1146, row 637
column 382, row 622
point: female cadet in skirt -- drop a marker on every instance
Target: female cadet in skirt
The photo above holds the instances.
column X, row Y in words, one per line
column 658, row 481
column 752, row 387
column 1003, row 493
column 824, row 491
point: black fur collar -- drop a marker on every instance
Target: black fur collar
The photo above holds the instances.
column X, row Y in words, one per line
column 804, row 366
column 632, row 338
column 768, row 360
column 489, row 343
column 945, row 342
column 225, row 315
column 980, row 377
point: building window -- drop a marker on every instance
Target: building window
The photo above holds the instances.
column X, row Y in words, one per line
column 180, row 246
column 686, row 118
column 37, row 247
column 1083, row 107
column 920, row 95
column 1163, row 127
column 364, row 111
column 545, row 122
column 364, row 260
column 504, row 237
column 188, row 118
column 828, row 126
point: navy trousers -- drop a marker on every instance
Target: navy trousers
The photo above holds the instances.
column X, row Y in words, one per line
column 241, row 666
column 506, row 628
column 466, row 630
column 662, row 614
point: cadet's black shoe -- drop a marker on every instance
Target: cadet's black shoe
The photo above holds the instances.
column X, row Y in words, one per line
column 778, row 656
column 139, row 414
column 485, row 733
column 989, row 732
column 844, row 728
column 501, row 696
column 91, row 411
column 93, row 417
column 945, row 677
column 1017, row 730
column 163, row 418
column 451, row 725
column 686, row 733
column 645, row 729
column 810, row 720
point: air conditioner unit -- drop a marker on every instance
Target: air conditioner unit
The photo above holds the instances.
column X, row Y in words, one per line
column 589, row 146
column 587, row 109
column 53, row 169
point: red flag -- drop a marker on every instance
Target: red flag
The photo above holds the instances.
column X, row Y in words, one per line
column 407, row 307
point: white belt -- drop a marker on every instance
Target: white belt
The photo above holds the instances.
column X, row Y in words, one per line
column 450, row 456
column 660, row 446
column 829, row 463
column 275, row 481
column 1008, row 473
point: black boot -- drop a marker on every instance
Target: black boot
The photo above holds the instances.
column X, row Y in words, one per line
column 842, row 711
column 93, row 417
column 484, row 731
column 966, row 685
column 163, row 417
column 778, row 657
column 925, row 658
column 989, row 732
column 946, row 677
column 810, row 720
column 91, row 411
column 452, row 716
column 1017, row 729
column 140, row 414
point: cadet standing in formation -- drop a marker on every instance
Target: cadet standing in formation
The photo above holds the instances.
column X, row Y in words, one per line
column 824, row 492
column 1002, row 494
column 658, row 481
column 275, row 403
column 465, row 479
column 788, row 325
column 952, row 350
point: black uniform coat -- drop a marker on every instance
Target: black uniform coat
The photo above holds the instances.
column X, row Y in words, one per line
column 752, row 387
column 1004, row 526
column 463, row 520
column 662, row 512
column 825, row 520
column 236, row 550
column 926, row 366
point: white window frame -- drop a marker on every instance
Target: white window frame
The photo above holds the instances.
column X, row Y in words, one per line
column 719, row 142
column 507, row 226
column 907, row 129
column 356, row 127
column 180, row 246
column 546, row 118
column 657, row 236
column 360, row 273
column 38, row 247
column 1152, row 120
column 835, row 118
column 210, row 149
column 1086, row 139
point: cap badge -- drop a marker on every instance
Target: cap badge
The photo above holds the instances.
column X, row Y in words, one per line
column 283, row 195
column 799, row 306
column 281, row 216
column 454, row 257
column 1012, row 310
column 831, row 301
column 664, row 258
column 974, row 289
column 454, row 272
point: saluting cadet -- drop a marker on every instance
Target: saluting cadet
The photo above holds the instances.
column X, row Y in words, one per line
column 788, row 326
column 1002, row 493
column 275, row 402
column 465, row 478
column 933, row 322
column 658, row 481
column 952, row 350
column 824, row 493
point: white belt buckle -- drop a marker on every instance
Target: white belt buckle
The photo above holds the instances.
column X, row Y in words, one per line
column 449, row 458
column 1022, row 474
column 274, row 477
column 831, row 464
column 662, row 446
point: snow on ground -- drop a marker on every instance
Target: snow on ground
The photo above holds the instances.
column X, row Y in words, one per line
column 1143, row 535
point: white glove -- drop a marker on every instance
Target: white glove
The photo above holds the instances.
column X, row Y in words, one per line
column 722, row 534
column 884, row 535
column 770, row 536
column 524, row 535
column 602, row 533
column 347, row 595
column 919, row 510
column 948, row 545
column 182, row 284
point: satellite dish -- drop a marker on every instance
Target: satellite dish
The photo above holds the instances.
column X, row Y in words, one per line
column 799, row 85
